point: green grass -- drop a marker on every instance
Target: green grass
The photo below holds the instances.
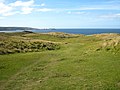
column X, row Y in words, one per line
column 81, row 63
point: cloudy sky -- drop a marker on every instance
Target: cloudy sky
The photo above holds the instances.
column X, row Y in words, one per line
column 60, row 13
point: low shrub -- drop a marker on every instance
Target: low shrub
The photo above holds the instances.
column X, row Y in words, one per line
column 25, row 46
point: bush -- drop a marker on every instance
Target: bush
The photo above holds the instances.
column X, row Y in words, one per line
column 24, row 46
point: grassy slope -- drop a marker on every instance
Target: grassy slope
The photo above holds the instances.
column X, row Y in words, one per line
column 82, row 63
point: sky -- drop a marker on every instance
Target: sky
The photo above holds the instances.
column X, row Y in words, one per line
column 60, row 13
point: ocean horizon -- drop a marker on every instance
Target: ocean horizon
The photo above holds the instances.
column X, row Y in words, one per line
column 72, row 31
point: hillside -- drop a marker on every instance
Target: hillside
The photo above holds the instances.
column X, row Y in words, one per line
column 59, row 61
column 16, row 28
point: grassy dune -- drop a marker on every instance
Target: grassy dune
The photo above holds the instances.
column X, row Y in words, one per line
column 73, row 62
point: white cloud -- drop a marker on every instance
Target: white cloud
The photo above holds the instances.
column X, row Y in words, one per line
column 81, row 9
column 93, row 7
column 111, row 16
column 43, row 4
column 10, row 13
column 76, row 12
column 27, row 7
column 21, row 3
column 26, row 10
column 80, row 13
column 45, row 10
column 4, row 9
column 18, row 7
column 69, row 12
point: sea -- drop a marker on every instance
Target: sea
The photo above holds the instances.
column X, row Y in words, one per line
column 72, row 31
